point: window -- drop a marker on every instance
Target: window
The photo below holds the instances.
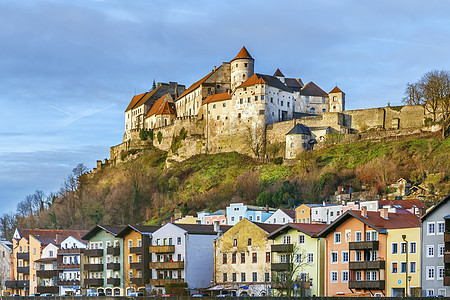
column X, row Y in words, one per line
column 267, row 257
column 358, row 275
column 50, row 253
column 430, row 228
column 430, row 273
column 358, row 236
column 412, row 267
column 249, row 242
column 179, row 240
column 402, row 248
column 440, row 227
column 334, row 276
column 248, row 99
column 430, row 292
column 371, row 275
column 286, row 239
column 337, row 237
column 412, row 247
column 242, row 258
column 282, row 103
column 358, row 255
column 312, row 110
column 245, row 65
column 233, row 258
column 254, row 277
column 310, row 258
column 241, row 101
column 430, row 250
column 334, row 98
column 441, row 250
column 235, row 242
column 256, row 98
column 298, row 258
column 334, row 257
column 284, row 258
column 301, row 238
column 442, row 292
column 262, row 97
column 130, row 274
column 254, row 257
column 371, row 235
column 130, row 258
column 234, row 277
column 224, row 258
column 394, row 248
column 394, row 268
column 345, row 256
column 306, row 99
column 243, row 277
column 344, row 276
column 403, row 267
column 224, row 105
column 262, row 112
column 225, row 277
column 440, row 273
column 271, row 100
column 214, row 106
column 170, row 241
column 287, row 103
column 266, row 277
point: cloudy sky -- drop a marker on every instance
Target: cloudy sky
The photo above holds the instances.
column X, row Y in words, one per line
column 68, row 69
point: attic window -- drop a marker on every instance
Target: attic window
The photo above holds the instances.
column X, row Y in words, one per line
column 334, row 98
column 245, row 65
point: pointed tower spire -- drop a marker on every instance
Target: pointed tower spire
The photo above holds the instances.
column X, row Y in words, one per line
column 154, row 84
column 243, row 54
column 278, row 73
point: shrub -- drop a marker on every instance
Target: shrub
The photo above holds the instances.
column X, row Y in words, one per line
column 145, row 134
column 278, row 160
column 159, row 137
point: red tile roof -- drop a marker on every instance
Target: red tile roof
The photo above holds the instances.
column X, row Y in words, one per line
column 335, row 90
column 198, row 83
column 134, row 101
column 406, row 204
column 312, row 89
column 269, row 228
column 51, row 233
column 217, row 97
column 278, row 73
column 158, row 104
column 265, row 79
column 243, row 54
column 167, row 109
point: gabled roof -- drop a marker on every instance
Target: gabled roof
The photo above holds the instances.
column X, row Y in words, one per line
column 294, row 84
column 198, row 83
column 289, row 212
column 433, row 208
column 158, row 104
column 243, row 54
column 405, row 204
column 217, row 97
column 312, row 89
column 310, row 229
column 278, row 73
column 269, row 228
column 201, row 229
column 134, row 101
column 114, row 230
column 167, row 109
column 46, row 236
column 375, row 221
column 219, row 212
column 335, row 90
column 265, row 79
column 299, row 129
column 142, row 229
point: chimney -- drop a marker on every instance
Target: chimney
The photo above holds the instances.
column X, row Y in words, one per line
column 171, row 219
column 267, row 208
column 324, row 203
column 214, row 68
column 384, row 213
column 58, row 239
column 364, row 211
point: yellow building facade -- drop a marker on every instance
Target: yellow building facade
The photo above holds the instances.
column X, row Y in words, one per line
column 303, row 214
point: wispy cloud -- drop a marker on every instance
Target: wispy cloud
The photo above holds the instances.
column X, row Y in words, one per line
column 84, row 114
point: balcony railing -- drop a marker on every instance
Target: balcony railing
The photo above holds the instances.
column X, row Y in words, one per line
column 68, row 266
column 70, row 251
column 167, row 265
column 369, row 285
column 93, row 282
column 113, row 266
column 136, row 266
column 162, row 249
column 17, row 284
column 23, row 270
column 162, row 282
column 93, row 252
column 115, row 251
column 137, row 280
column 93, row 267
column 113, row 281
column 54, row 290
column 23, row 255
column 63, row 282
column 367, row 265
column 447, row 258
column 137, row 250
column 446, row 280
column 280, row 266
column 286, row 248
column 46, row 273
column 368, row 245
column 446, row 237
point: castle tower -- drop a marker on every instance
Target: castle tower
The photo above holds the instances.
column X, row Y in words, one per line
column 242, row 67
column 336, row 100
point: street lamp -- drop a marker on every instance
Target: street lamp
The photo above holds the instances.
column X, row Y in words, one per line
column 408, row 278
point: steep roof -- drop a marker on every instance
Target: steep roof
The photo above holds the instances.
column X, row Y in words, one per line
column 158, row 104
column 335, row 90
column 278, row 73
column 114, row 230
column 312, row 89
column 198, row 83
column 45, row 235
column 142, row 229
column 433, row 208
column 269, row 228
column 167, row 109
column 134, row 101
column 375, row 221
column 294, row 84
column 217, row 97
column 299, row 129
column 243, row 54
column 265, row 79
column 201, row 229
column 310, row 229
column 289, row 212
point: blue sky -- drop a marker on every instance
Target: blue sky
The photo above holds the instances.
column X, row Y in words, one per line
column 68, row 69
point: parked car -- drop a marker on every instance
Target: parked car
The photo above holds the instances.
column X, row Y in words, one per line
column 136, row 294
column 35, row 295
column 46, row 295
column 197, row 295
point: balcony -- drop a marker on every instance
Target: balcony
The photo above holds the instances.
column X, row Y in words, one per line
column 137, row 280
column 162, row 282
column 115, row 251
column 280, row 266
column 137, row 250
column 93, row 267
column 162, row 249
column 68, row 266
column 69, row 251
column 93, row 252
column 167, row 265
column 446, row 280
column 68, row 282
column 113, row 281
column 368, row 285
column 113, row 266
column 446, row 237
column 93, row 282
column 46, row 273
column 367, row 265
column 23, row 270
column 17, row 284
column 54, row 290
column 447, row 258
column 284, row 248
column 23, row 255
column 369, row 245
column 136, row 266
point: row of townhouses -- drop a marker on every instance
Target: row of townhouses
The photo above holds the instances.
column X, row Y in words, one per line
column 371, row 248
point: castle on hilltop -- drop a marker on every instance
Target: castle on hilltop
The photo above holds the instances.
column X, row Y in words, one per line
column 233, row 108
